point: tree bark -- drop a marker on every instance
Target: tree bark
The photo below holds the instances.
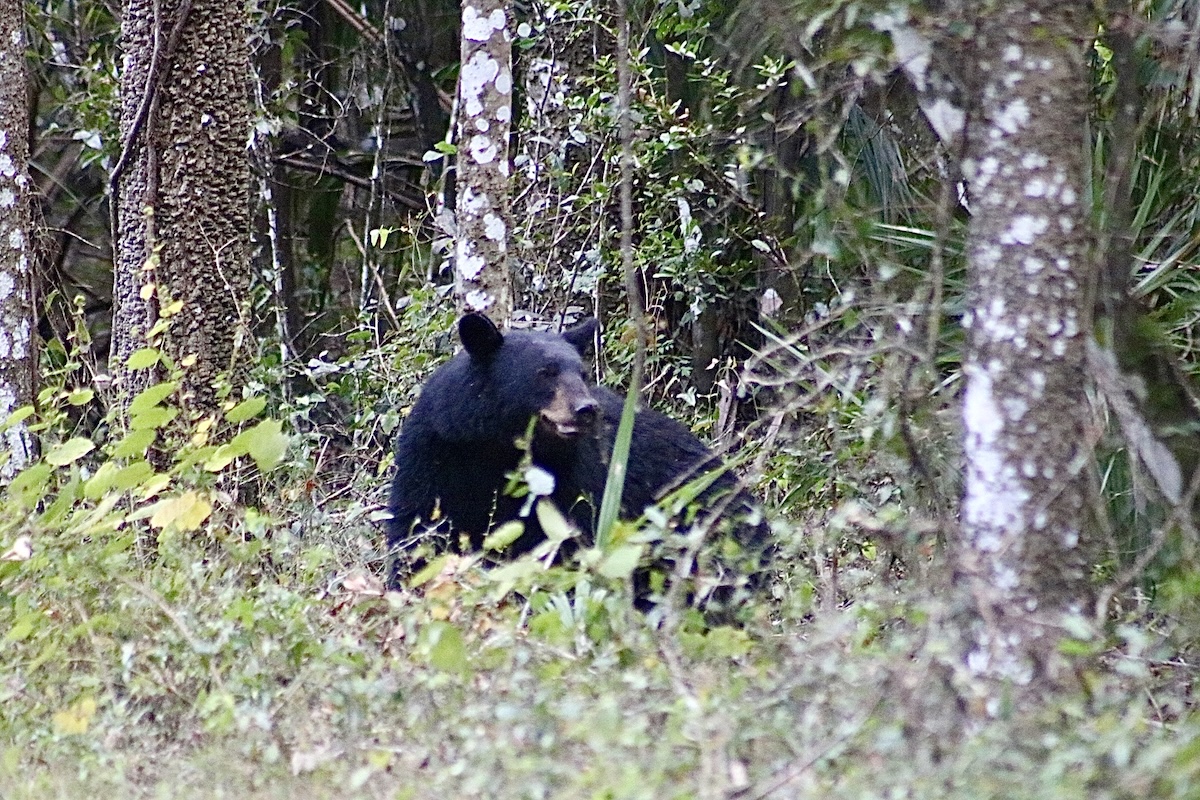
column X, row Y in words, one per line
column 182, row 192
column 1026, row 417
column 17, row 360
column 482, row 280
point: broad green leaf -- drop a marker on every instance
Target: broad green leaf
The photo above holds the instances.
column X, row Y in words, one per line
column 152, row 418
column 429, row 571
column 446, row 649
column 143, row 359
column 81, row 397
column 32, row 479
column 186, row 512
column 155, row 485
column 16, row 417
column 150, row 397
column 20, row 630
column 247, row 409
column 265, row 442
column 134, row 443
column 504, row 535
column 553, row 523
column 221, row 459
column 621, row 562
column 132, row 475
column 69, row 451
column 101, row 482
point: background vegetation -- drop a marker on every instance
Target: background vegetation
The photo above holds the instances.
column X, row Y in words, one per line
column 192, row 609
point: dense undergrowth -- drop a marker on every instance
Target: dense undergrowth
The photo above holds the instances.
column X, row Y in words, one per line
column 197, row 612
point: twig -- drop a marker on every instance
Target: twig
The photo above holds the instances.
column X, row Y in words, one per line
column 158, row 57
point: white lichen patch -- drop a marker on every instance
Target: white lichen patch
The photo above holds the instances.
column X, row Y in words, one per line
column 8, row 198
column 494, row 228
column 7, row 168
column 994, row 504
column 477, row 74
column 471, row 202
column 16, row 239
column 946, row 118
column 7, row 286
column 483, row 149
column 478, row 300
column 21, row 340
column 1013, row 116
column 1032, row 161
column 1025, row 229
column 480, row 27
column 1033, row 265
column 1012, row 53
column 1035, row 188
column 470, row 267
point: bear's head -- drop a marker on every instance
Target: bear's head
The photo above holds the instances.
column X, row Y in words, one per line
column 534, row 373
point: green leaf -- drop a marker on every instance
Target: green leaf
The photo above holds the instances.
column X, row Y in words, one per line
column 143, row 359
column 17, row 417
column 504, row 535
column 81, row 397
column 429, row 571
column 31, row 480
column 222, row 458
column 621, row 562
column 150, row 397
column 20, row 630
column 134, row 443
column 186, row 512
column 553, row 523
column 265, row 442
column 133, row 475
column 101, row 482
column 70, row 451
column 152, row 418
column 247, row 409
column 610, row 505
column 444, row 644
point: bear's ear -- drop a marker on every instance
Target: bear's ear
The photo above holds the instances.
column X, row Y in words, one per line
column 479, row 335
column 583, row 335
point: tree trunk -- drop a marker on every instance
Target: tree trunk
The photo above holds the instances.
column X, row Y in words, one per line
column 1027, row 447
column 482, row 280
column 17, row 360
column 182, row 192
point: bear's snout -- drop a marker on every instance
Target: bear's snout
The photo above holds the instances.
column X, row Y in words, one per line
column 571, row 410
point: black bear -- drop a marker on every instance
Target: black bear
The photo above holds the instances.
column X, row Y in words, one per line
column 458, row 445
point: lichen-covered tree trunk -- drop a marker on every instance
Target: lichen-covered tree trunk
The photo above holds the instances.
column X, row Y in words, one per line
column 1027, row 446
column 182, row 191
column 16, row 285
column 482, row 280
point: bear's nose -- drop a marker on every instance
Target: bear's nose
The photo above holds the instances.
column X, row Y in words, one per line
column 586, row 411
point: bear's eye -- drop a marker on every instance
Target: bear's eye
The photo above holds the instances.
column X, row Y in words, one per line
column 548, row 371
